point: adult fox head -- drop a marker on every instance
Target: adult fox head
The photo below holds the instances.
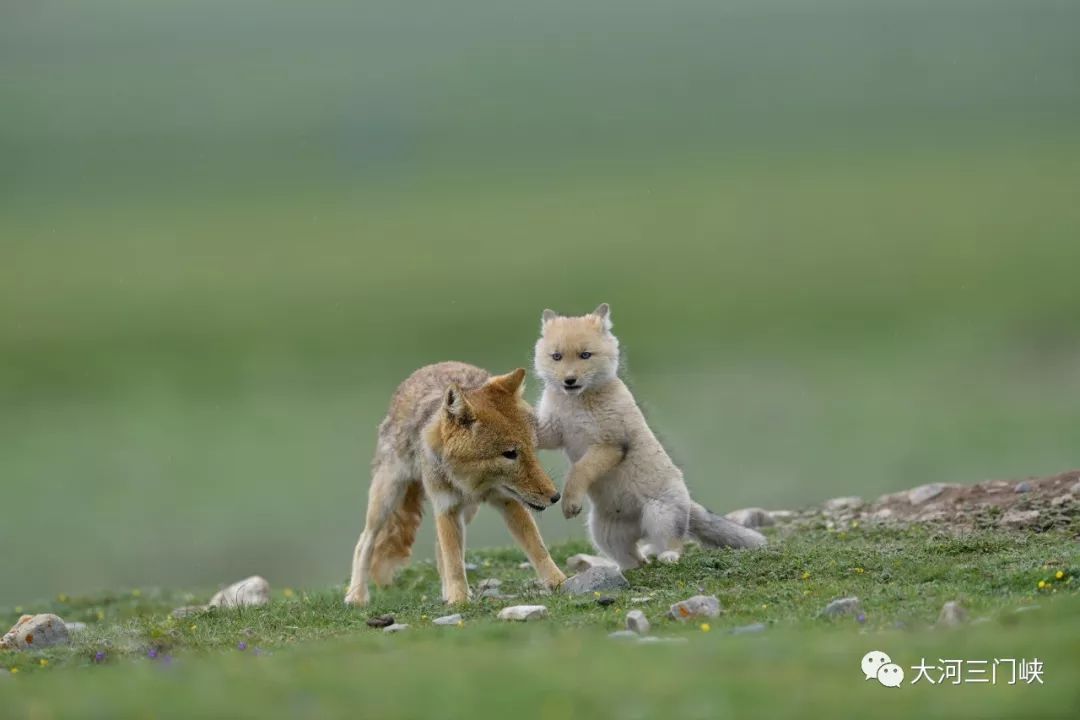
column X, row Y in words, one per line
column 487, row 435
column 577, row 353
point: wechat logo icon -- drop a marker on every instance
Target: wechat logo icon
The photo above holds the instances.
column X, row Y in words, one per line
column 878, row 665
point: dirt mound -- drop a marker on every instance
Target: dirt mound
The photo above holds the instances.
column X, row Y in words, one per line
column 1037, row 503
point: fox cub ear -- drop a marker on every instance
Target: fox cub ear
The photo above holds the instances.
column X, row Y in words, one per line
column 603, row 312
column 457, row 407
column 547, row 317
column 512, row 383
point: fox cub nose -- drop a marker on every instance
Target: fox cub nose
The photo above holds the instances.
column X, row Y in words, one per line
column 555, row 498
column 570, row 381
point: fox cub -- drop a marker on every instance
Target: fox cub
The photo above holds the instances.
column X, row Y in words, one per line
column 640, row 506
column 460, row 437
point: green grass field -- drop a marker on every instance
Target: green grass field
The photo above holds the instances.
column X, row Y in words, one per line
column 306, row 655
column 840, row 245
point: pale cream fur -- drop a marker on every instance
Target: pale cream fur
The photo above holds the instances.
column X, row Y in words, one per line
column 640, row 505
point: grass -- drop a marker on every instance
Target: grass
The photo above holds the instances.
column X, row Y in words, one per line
column 307, row 655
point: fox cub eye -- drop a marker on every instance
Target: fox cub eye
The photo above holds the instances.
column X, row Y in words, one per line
column 556, row 356
column 510, row 454
column 586, row 355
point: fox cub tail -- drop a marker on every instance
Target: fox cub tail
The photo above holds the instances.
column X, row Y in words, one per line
column 714, row 531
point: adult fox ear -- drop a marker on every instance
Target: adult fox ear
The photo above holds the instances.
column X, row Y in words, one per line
column 603, row 312
column 547, row 316
column 457, row 407
column 512, row 383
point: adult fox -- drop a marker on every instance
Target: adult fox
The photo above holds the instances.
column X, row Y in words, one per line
column 460, row 437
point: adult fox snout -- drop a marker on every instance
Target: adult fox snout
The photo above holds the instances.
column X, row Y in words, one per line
column 535, row 488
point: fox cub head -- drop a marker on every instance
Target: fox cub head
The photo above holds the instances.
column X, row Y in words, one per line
column 487, row 435
column 577, row 353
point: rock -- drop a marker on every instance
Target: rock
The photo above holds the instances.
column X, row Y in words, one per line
column 448, row 620
column 924, row 493
column 471, row 567
column 780, row 516
column 623, row 635
column 1061, row 500
column 842, row 606
column 696, row 607
column 653, row 639
column 380, row 621
column 952, row 614
column 395, row 628
column 524, row 565
column 751, row 517
column 882, row 514
column 843, row 503
column 489, row 584
column 187, row 611
column 1020, row 518
column 748, row 629
column 582, row 562
column 604, row 577
column 1075, row 489
column 605, row 600
column 637, row 622
column 250, row 592
column 75, row 627
column 523, row 613
column 36, row 631
column 1022, row 487
column 641, row 600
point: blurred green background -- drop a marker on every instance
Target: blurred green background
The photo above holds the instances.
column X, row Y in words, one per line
column 840, row 240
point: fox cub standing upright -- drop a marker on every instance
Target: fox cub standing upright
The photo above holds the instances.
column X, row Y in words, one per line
column 461, row 437
column 637, row 493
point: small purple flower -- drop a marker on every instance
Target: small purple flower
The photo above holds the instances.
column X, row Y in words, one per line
column 861, row 617
column 152, row 653
column 241, row 646
column 99, row 656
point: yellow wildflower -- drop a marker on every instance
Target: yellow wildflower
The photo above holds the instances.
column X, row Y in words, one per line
column 705, row 627
column 1059, row 574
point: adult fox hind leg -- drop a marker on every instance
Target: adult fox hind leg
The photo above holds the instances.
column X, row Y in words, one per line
column 388, row 490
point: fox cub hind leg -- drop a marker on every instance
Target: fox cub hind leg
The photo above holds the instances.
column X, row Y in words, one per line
column 616, row 538
column 665, row 526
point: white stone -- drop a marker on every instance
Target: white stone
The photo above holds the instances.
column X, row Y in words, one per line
column 581, row 562
column 523, row 613
column 851, row 502
column 637, row 622
column 36, row 631
column 489, row 584
column 952, row 614
column 448, row 620
column 395, row 628
column 925, row 493
column 1020, row 518
column 604, row 577
column 696, row 607
column 249, row 592
column 842, row 606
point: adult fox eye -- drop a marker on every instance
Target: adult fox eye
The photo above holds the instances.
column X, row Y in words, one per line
column 510, row 454
column 586, row 355
column 556, row 356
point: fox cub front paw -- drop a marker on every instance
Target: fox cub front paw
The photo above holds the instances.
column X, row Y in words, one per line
column 571, row 507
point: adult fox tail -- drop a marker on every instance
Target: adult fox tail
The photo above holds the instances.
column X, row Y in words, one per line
column 714, row 531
